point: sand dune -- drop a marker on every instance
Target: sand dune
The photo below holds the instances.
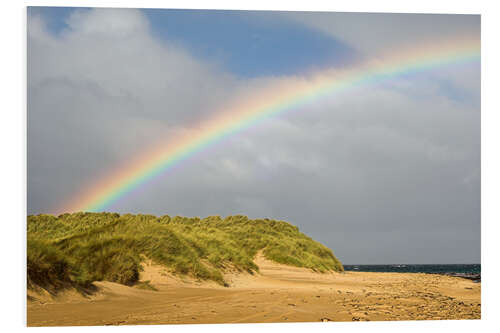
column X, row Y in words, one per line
column 279, row 293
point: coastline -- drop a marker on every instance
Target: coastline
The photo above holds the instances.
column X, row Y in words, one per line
column 279, row 293
column 465, row 271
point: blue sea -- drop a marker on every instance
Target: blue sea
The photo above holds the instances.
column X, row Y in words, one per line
column 450, row 269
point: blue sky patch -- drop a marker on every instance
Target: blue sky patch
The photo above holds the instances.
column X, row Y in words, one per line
column 250, row 43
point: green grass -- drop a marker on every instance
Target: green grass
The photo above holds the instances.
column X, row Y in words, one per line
column 81, row 248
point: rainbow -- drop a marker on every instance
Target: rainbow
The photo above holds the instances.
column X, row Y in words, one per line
column 269, row 101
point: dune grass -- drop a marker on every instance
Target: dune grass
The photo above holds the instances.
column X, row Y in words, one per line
column 81, row 248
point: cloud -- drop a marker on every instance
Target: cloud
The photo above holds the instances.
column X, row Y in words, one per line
column 391, row 166
column 108, row 23
column 376, row 32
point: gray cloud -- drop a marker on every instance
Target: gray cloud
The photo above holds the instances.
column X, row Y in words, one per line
column 375, row 32
column 382, row 174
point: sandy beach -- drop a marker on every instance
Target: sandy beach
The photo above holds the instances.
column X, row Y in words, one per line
column 278, row 293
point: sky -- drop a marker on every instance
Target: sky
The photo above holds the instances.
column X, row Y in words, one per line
column 382, row 173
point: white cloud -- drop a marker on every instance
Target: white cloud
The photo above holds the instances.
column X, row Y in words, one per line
column 108, row 23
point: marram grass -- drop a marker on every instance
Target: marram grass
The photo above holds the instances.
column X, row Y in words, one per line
column 77, row 249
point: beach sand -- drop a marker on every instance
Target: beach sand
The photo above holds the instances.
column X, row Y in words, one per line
column 278, row 293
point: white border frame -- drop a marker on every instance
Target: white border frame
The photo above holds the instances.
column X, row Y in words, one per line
column 13, row 141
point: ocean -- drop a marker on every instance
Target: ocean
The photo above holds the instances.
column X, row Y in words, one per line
column 470, row 271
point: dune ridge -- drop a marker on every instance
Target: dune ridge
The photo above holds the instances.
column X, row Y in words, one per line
column 81, row 248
